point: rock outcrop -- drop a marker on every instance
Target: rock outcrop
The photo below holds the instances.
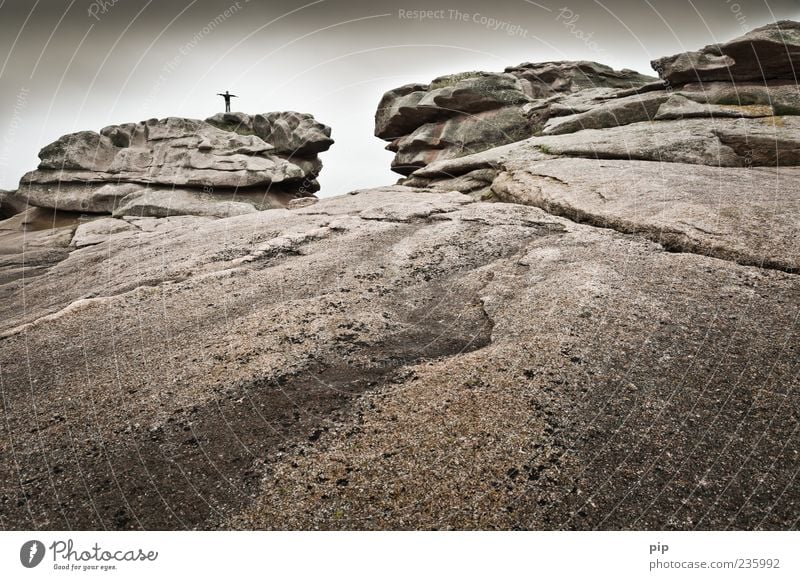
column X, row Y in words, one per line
column 10, row 204
column 752, row 77
column 33, row 240
column 460, row 114
column 226, row 165
column 769, row 52
column 594, row 327
column 657, row 135
column 230, row 164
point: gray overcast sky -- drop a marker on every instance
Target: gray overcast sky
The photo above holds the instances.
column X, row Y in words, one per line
column 74, row 65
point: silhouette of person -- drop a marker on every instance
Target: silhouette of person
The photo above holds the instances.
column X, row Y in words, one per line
column 227, row 96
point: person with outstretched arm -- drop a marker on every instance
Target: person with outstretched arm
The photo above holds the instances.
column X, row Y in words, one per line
column 227, row 96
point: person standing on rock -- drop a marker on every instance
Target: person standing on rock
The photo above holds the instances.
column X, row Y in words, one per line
column 227, row 96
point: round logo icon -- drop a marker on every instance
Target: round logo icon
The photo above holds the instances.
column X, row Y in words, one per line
column 31, row 553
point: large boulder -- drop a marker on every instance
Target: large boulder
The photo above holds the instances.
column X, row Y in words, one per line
column 768, row 52
column 274, row 155
column 398, row 115
column 406, row 108
column 83, row 150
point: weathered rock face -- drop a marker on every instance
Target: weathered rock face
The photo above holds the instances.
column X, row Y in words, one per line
column 458, row 136
column 33, row 240
column 460, row 114
column 403, row 358
column 769, row 52
column 687, row 209
column 164, row 163
column 610, row 113
column 10, row 204
column 292, row 135
column 614, row 346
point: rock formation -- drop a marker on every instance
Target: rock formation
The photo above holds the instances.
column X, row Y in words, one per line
column 10, row 204
column 466, row 113
column 633, row 159
column 459, row 114
column 590, row 327
column 230, row 164
column 769, row 52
